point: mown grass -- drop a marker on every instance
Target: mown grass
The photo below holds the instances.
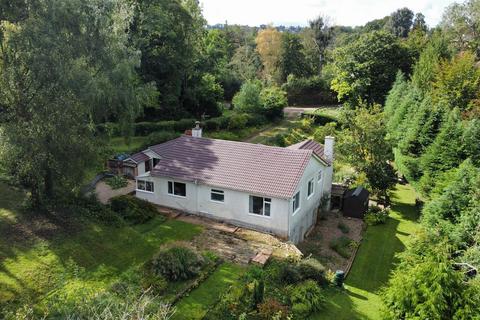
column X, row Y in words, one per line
column 90, row 258
column 374, row 261
column 196, row 305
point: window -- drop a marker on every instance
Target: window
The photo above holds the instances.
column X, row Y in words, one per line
column 177, row 189
column 148, row 165
column 260, row 206
column 155, row 162
column 310, row 188
column 319, row 178
column 217, row 195
column 145, row 186
column 296, row 202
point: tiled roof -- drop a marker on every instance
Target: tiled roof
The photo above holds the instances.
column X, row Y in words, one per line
column 247, row 167
column 316, row 147
column 139, row 157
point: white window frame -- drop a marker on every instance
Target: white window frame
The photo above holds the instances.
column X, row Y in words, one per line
column 310, row 183
column 319, row 176
column 296, row 200
column 173, row 189
column 264, row 201
column 217, row 192
column 145, row 183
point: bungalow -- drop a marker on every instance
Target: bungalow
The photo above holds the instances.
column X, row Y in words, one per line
column 270, row 189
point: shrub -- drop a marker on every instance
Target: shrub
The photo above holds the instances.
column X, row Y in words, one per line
column 342, row 246
column 183, row 124
column 343, row 227
column 272, row 309
column 238, row 121
column 312, row 269
column 306, row 298
column 273, row 101
column 376, row 215
column 92, row 208
column 248, row 98
column 133, row 210
column 258, row 292
column 177, row 263
column 289, row 273
column 159, row 137
column 116, row 182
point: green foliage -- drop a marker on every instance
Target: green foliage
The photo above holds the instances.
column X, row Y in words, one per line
column 134, row 210
column 329, row 129
column 425, row 70
column 343, row 246
column 366, row 147
column 306, row 298
column 177, row 263
column 375, row 216
column 91, row 208
column 258, row 292
column 457, row 82
column 401, row 22
column 343, row 227
column 272, row 309
column 273, row 101
column 238, row 121
column 292, row 61
column 50, row 59
column 443, row 293
column 312, row 269
column 116, row 182
column 373, row 59
column 311, row 90
column 248, row 98
column 454, row 210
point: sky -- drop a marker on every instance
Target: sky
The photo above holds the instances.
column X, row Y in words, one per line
column 299, row 12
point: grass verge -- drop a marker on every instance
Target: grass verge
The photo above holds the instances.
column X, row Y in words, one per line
column 374, row 261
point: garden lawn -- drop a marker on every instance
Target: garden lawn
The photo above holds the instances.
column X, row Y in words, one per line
column 196, row 305
column 91, row 257
column 374, row 262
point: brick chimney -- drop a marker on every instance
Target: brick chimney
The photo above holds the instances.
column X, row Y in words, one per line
column 328, row 148
column 197, row 131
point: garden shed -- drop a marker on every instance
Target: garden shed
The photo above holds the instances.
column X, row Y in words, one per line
column 355, row 202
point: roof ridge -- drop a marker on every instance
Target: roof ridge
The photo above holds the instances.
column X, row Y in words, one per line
column 239, row 142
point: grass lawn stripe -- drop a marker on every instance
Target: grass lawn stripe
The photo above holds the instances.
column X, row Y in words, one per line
column 196, row 305
column 374, row 262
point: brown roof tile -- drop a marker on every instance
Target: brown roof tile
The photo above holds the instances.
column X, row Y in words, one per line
column 253, row 168
column 316, row 147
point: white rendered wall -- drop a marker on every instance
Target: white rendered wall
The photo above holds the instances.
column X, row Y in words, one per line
column 234, row 209
column 305, row 217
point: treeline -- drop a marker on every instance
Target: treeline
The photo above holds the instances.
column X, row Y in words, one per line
column 433, row 122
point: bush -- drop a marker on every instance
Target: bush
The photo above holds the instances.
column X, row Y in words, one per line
column 248, row 98
column 306, row 298
column 312, row 269
column 343, row 227
column 116, row 182
column 288, row 273
column 183, row 124
column 272, row 309
column 159, row 137
column 238, row 121
column 177, row 263
column 133, row 210
column 273, row 101
column 342, row 246
column 92, row 208
column 375, row 215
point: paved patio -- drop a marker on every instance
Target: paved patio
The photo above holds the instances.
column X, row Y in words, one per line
column 104, row 192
